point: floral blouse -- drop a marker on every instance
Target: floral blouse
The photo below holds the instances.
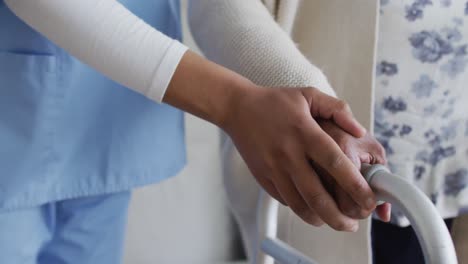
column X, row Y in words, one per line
column 421, row 109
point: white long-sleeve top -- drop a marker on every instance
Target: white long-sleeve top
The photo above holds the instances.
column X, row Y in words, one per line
column 109, row 38
column 238, row 34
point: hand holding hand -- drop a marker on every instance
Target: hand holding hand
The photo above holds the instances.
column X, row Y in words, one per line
column 275, row 131
column 359, row 150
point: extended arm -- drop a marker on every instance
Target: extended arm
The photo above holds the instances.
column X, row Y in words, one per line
column 274, row 129
column 109, row 38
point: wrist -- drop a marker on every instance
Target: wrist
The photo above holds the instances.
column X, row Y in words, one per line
column 207, row 90
column 236, row 95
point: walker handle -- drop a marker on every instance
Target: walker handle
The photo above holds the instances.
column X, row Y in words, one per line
column 430, row 228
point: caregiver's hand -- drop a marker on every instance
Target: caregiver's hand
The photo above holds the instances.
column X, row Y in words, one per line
column 276, row 133
column 359, row 150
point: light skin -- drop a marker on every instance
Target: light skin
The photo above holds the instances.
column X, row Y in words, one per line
column 276, row 133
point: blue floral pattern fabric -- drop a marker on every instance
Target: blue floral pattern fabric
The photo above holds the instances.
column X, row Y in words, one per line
column 421, row 98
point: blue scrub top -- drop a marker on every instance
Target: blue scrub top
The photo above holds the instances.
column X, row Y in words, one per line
column 66, row 131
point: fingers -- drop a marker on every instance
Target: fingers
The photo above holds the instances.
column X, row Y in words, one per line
column 349, row 207
column 294, row 200
column 378, row 155
column 270, row 188
column 313, row 192
column 327, row 107
column 344, row 118
column 384, row 212
column 326, row 154
column 345, row 203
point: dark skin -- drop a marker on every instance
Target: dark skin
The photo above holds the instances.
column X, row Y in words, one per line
column 276, row 133
column 359, row 150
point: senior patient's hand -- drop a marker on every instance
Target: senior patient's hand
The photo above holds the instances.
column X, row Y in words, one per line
column 275, row 131
column 359, row 150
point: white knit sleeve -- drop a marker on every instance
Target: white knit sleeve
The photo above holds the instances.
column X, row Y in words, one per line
column 109, row 38
column 242, row 35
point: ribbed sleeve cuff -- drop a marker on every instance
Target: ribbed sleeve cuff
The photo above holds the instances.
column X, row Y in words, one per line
column 165, row 71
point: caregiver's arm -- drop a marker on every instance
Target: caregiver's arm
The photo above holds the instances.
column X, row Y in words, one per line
column 243, row 36
column 109, row 38
column 105, row 35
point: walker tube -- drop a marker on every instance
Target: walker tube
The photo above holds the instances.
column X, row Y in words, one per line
column 284, row 253
column 430, row 228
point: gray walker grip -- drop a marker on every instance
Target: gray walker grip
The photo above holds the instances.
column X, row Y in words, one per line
column 429, row 226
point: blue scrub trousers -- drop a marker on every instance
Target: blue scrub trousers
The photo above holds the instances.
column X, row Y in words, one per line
column 84, row 230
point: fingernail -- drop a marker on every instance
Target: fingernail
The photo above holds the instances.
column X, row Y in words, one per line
column 355, row 227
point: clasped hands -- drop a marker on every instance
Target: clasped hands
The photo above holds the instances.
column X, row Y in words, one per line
column 305, row 149
column 302, row 146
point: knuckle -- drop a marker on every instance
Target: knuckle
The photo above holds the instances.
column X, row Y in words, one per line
column 300, row 121
column 359, row 189
column 336, row 162
column 350, row 210
column 318, row 200
column 314, row 220
column 279, row 153
column 285, row 153
column 355, row 211
column 359, row 186
column 381, row 151
column 346, row 145
column 288, row 147
column 363, row 214
column 343, row 106
column 300, row 209
column 307, row 216
column 311, row 218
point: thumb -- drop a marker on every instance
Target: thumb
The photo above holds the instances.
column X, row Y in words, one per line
column 327, row 107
